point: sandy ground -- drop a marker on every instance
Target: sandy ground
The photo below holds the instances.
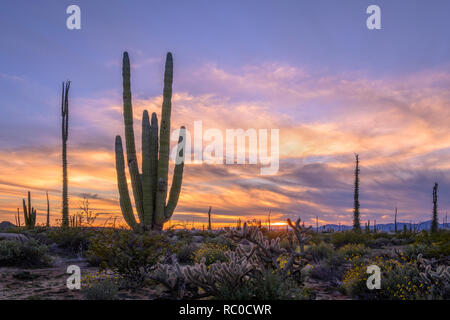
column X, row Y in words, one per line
column 46, row 283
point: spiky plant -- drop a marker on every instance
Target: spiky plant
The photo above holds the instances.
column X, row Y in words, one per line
column 29, row 213
column 356, row 223
column 65, row 135
column 434, row 221
column 150, row 187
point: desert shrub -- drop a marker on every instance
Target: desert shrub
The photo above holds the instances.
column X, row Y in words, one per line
column 284, row 243
column 265, row 285
column 182, row 234
column 342, row 238
column 406, row 237
column 328, row 266
column 379, row 242
column 353, row 251
column 327, row 270
column 241, row 292
column 382, row 235
column 400, row 280
column 399, row 242
column 75, row 240
column 270, row 285
column 273, row 234
column 185, row 252
column 27, row 254
column 320, row 251
column 130, row 255
column 211, row 253
column 413, row 250
column 100, row 286
column 221, row 240
column 433, row 250
column 433, row 245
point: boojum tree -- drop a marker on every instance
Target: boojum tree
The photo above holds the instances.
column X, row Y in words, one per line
column 150, row 187
column 356, row 223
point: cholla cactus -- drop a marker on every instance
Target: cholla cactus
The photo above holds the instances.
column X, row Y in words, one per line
column 438, row 280
column 172, row 277
column 267, row 253
column 302, row 233
column 229, row 274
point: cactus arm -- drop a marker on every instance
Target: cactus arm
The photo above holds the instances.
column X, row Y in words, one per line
column 33, row 221
column 129, row 138
column 175, row 188
column 164, row 143
column 125, row 202
column 25, row 213
column 154, row 156
column 146, row 171
column 30, row 210
column 48, row 211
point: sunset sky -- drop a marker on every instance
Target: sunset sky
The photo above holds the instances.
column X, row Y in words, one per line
column 311, row 69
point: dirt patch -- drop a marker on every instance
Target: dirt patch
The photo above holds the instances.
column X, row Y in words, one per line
column 46, row 283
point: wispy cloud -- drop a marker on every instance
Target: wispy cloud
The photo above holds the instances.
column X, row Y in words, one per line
column 398, row 125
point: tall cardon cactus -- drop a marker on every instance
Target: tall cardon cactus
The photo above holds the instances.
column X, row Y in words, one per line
column 150, row 186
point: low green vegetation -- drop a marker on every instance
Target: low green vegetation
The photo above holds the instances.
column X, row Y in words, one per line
column 29, row 254
column 250, row 263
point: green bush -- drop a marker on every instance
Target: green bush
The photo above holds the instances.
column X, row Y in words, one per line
column 220, row 240
column 75, row 240
column 433, row 245
column 400, row 280
column 130, row 255
column 353, row 251
column 380, row 242
column 269, row 285
column 320, row 251
column 28, row 254
column 185, row 253
column 211, row 253
column 329, row 270
column 340, row 239
column 265, row 285
column 100, row 286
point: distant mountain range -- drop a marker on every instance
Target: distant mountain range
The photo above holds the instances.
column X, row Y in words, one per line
column 426, row 225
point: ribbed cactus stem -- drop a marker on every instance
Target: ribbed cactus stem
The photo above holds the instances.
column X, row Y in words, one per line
column 129, row 138
column 175, row 188
column 65, row 135
column 48, row 211
column 25, row 213
column 125, row 202
column 146, row 170
column 150, row 187
column 154, row 149
column 164, row 143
